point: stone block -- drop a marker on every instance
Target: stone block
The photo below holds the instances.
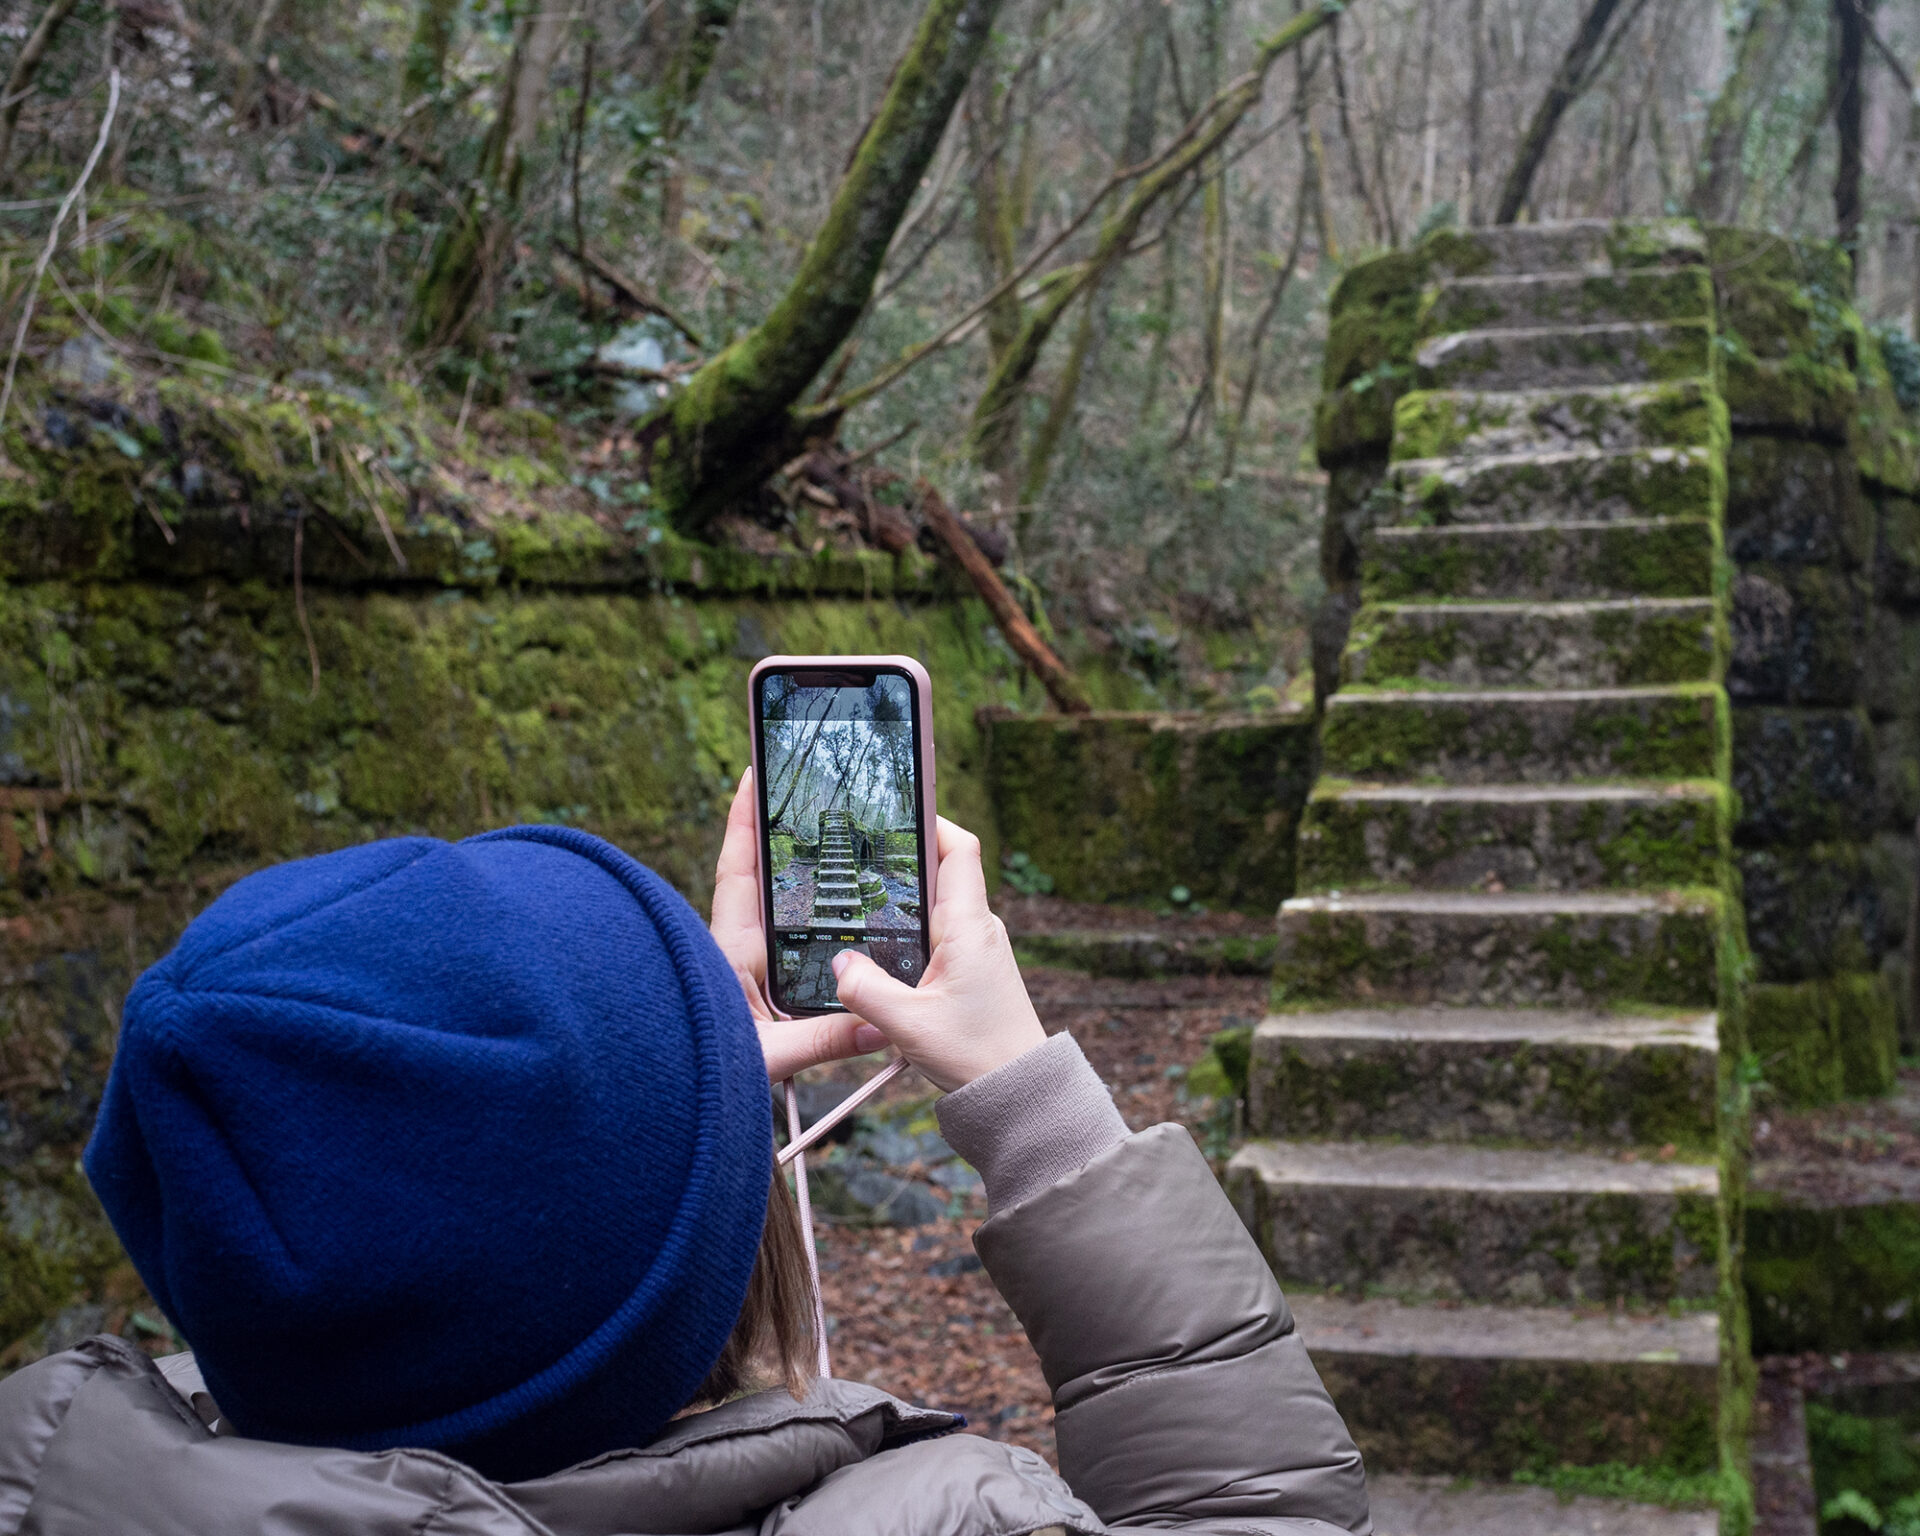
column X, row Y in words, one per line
column 1677, row 732
column 1541, row 560
column 1803, row 775
column 1439, row 424
column 1458, row 949
column 1560, row 357
column 1896, row 772
column 1812, row 911
column 1126, row 806
column 1821, row 1041
column 1597, row 245
column 1570, row 485
column 1891, row 685
column 1833, row 1256
column 1622, row 643
column 1792, row 397
column 1352, row 510
column 1542, row 1077
column 1568, row 298
column 1893, row 864
column 1799, row 636
column 1791, row 502
column 1546, row 837
column 1896, row 551
column 1486, row 1392
column 1478, row 1224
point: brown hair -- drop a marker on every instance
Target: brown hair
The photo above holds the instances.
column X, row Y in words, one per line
column 772, row 1343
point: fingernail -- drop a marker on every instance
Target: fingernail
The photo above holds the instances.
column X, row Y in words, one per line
column 867, row 1038
column 841, row 961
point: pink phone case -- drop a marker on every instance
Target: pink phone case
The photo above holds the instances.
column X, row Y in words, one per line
column 923, row 706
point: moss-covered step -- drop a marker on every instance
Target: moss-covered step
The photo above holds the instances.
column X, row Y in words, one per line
column 1442, row 423
column 1594, row 643
column 1516, row 1225
column 1546, row 560
column 1491, row 1391
column 1562, row 356
column 1586, row 485
column 1552, row 837
column 1817, row 1042
column 1595, row 244
column 1475, row 949
column 1145, row 953
column 1515, row 736
column 1567, row 298
column 1438, row 1504
column 1544, row 1077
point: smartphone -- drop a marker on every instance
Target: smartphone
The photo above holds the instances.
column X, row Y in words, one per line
column 843, row 770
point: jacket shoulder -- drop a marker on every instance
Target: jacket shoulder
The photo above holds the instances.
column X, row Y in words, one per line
column 34, row 1403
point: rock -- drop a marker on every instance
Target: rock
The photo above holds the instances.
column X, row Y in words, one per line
column 892, row 1202
column 960, row 1264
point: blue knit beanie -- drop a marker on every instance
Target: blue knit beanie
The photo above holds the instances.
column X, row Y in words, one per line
column 455, row 1145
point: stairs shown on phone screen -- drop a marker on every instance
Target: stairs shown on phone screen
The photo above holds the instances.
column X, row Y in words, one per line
column 1485, row 1110
column 836, row 881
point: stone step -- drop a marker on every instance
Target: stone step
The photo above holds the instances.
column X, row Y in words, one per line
column 1461, row 949
column 1541, row 560
column 1609, row 643
column 1568, row 298
column 1490, row 736
column 1565, row 356
column 1489, row 1391
column 1520, row 837
column 1546, row 1077
column 1586, row 485
column 1565, row 244
column 1521, row 1226
column 1455, row 424
column 1442, row 1505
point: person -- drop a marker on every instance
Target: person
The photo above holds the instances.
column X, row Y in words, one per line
column 454, row 1165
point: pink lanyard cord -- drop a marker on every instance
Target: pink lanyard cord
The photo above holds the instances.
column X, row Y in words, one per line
column 796, row 1154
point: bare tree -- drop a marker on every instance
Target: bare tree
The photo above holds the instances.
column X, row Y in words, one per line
column 26, row 65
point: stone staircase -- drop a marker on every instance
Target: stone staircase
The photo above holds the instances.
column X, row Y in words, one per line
column 1485, row 1109
column 836, row 881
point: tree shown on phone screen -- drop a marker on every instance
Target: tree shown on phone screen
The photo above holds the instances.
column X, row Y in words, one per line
column 843, row 837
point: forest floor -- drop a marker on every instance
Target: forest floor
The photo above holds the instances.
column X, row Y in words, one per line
column 909, row 1308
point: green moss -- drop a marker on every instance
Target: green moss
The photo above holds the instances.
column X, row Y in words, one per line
column 1832, row 1277
column 1821, row 1041
column 1123, row 808
column 1640, row 1485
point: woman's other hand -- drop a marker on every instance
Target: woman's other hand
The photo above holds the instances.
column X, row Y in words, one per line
column 970, row 1012
column 791, row 1045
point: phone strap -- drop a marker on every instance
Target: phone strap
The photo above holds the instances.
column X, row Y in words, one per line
column 796, row 1154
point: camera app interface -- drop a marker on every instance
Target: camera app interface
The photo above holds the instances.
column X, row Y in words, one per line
column 842, row 790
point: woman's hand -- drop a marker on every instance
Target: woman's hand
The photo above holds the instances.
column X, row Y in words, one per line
column 970, row 1012
column 791, row 1045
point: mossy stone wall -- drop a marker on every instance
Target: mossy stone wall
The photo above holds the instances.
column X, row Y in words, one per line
column 1126, row 807
column 162, row 731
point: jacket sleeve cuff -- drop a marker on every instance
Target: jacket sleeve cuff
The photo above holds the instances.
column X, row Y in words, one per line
column 1028, row 1124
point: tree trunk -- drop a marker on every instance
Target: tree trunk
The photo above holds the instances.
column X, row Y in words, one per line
column 707, row 23
column 1851, row 20
column 1476, row 92
column 26, row 65
column 1569, row 80
column 455, row 287
column 423, row 70
column 735, row 420
column 1214, row 235
column 1717, row 183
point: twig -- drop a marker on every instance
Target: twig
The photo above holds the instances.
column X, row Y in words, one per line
column 624, row 287
column 300, row 601
column 166, row 531
column 373, row 503
column 880, row 447
column 466, row 404
column 53, row 240
column 579, row 149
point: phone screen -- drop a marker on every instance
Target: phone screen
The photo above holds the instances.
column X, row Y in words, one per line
column 844, row 845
